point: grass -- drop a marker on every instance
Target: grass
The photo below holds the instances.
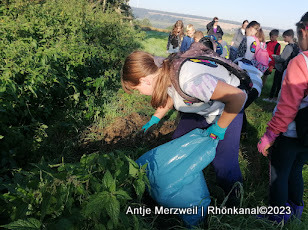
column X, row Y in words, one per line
column 253, row 165
column 156, row 43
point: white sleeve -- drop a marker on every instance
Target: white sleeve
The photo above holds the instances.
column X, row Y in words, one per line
column 201, row 87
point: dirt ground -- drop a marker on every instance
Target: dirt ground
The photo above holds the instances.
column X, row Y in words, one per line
column 126, row 132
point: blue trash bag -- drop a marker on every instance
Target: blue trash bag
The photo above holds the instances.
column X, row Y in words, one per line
column 175, row 173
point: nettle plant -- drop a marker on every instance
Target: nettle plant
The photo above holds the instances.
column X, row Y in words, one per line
column 83, row 195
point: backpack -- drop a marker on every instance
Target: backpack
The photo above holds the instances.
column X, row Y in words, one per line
column 201, row 54
column 174, row 41
column 275, row 48
column 261, row 54
column 301, row 123
column 294, row 53
column 212, row 43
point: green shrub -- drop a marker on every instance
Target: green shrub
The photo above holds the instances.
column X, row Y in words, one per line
column 56, row 57
column 83, row 195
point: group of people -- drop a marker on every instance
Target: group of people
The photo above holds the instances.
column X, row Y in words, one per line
column 221, row 105
column 179, row 42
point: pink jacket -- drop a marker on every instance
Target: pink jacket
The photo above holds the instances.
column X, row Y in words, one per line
column 294, row 89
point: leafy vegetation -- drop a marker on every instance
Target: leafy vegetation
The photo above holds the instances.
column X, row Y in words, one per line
column 60, row 66
column 90, row 194
column 59, row 60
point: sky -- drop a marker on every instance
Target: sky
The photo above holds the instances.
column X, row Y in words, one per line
column 269, row 13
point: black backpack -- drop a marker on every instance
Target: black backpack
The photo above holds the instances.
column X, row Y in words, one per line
column 294, row 53
column 174, row 41
column 212, row 43
column 301, row 121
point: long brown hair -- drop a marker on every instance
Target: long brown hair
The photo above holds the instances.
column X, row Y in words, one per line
column 140, row 64
column 180, row 24
column 260, row 35
column 253, row 24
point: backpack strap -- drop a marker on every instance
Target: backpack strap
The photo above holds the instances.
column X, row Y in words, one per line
column 258, row 42
column 295, row 51
column 276, row 47
column 205, row 53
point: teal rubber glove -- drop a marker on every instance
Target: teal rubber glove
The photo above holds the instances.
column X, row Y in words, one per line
column 216, row 132
column 154, row 120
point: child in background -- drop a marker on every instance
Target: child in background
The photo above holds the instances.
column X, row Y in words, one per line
column 246, row 60
column 198, row 35
column 261, row 58
column 219, row 111
column 288, row 155
column 214, row 29
column 188, row 39
column 273, row 47
column 175, row 37
column 237, row 39
column 281, row 62
column 246, row 56
column 225, row 51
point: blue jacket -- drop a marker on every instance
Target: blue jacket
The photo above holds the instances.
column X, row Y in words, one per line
column 187, row 41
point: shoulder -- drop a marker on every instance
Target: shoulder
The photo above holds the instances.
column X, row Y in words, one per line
column 297, row 72
column 250, row 39
column 298, row 68
column 300, row 60
column 289, row 47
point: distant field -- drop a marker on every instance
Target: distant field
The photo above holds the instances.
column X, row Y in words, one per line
column 156, row 42
column 163, row 19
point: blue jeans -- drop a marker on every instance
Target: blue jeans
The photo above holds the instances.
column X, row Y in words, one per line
column 225, row 163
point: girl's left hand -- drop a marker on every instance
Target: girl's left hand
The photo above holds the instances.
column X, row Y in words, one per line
column 266, row 141
column 216, row 132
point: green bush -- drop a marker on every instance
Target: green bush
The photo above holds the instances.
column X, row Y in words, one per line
column 56, row 57
column 83, row 195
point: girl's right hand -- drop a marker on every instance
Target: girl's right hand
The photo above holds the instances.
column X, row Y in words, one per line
column 154, row 120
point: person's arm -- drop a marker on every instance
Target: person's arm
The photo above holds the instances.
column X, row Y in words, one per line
column 169, row 40
column 158, row 115
column 162, row 111
column 222, row 33
column 233, row 98
column 184, row 45
column 209, row 26
column 278, row 50
column 206, row 87
column 292, row 92
column 286, row 53
column 234, row 38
